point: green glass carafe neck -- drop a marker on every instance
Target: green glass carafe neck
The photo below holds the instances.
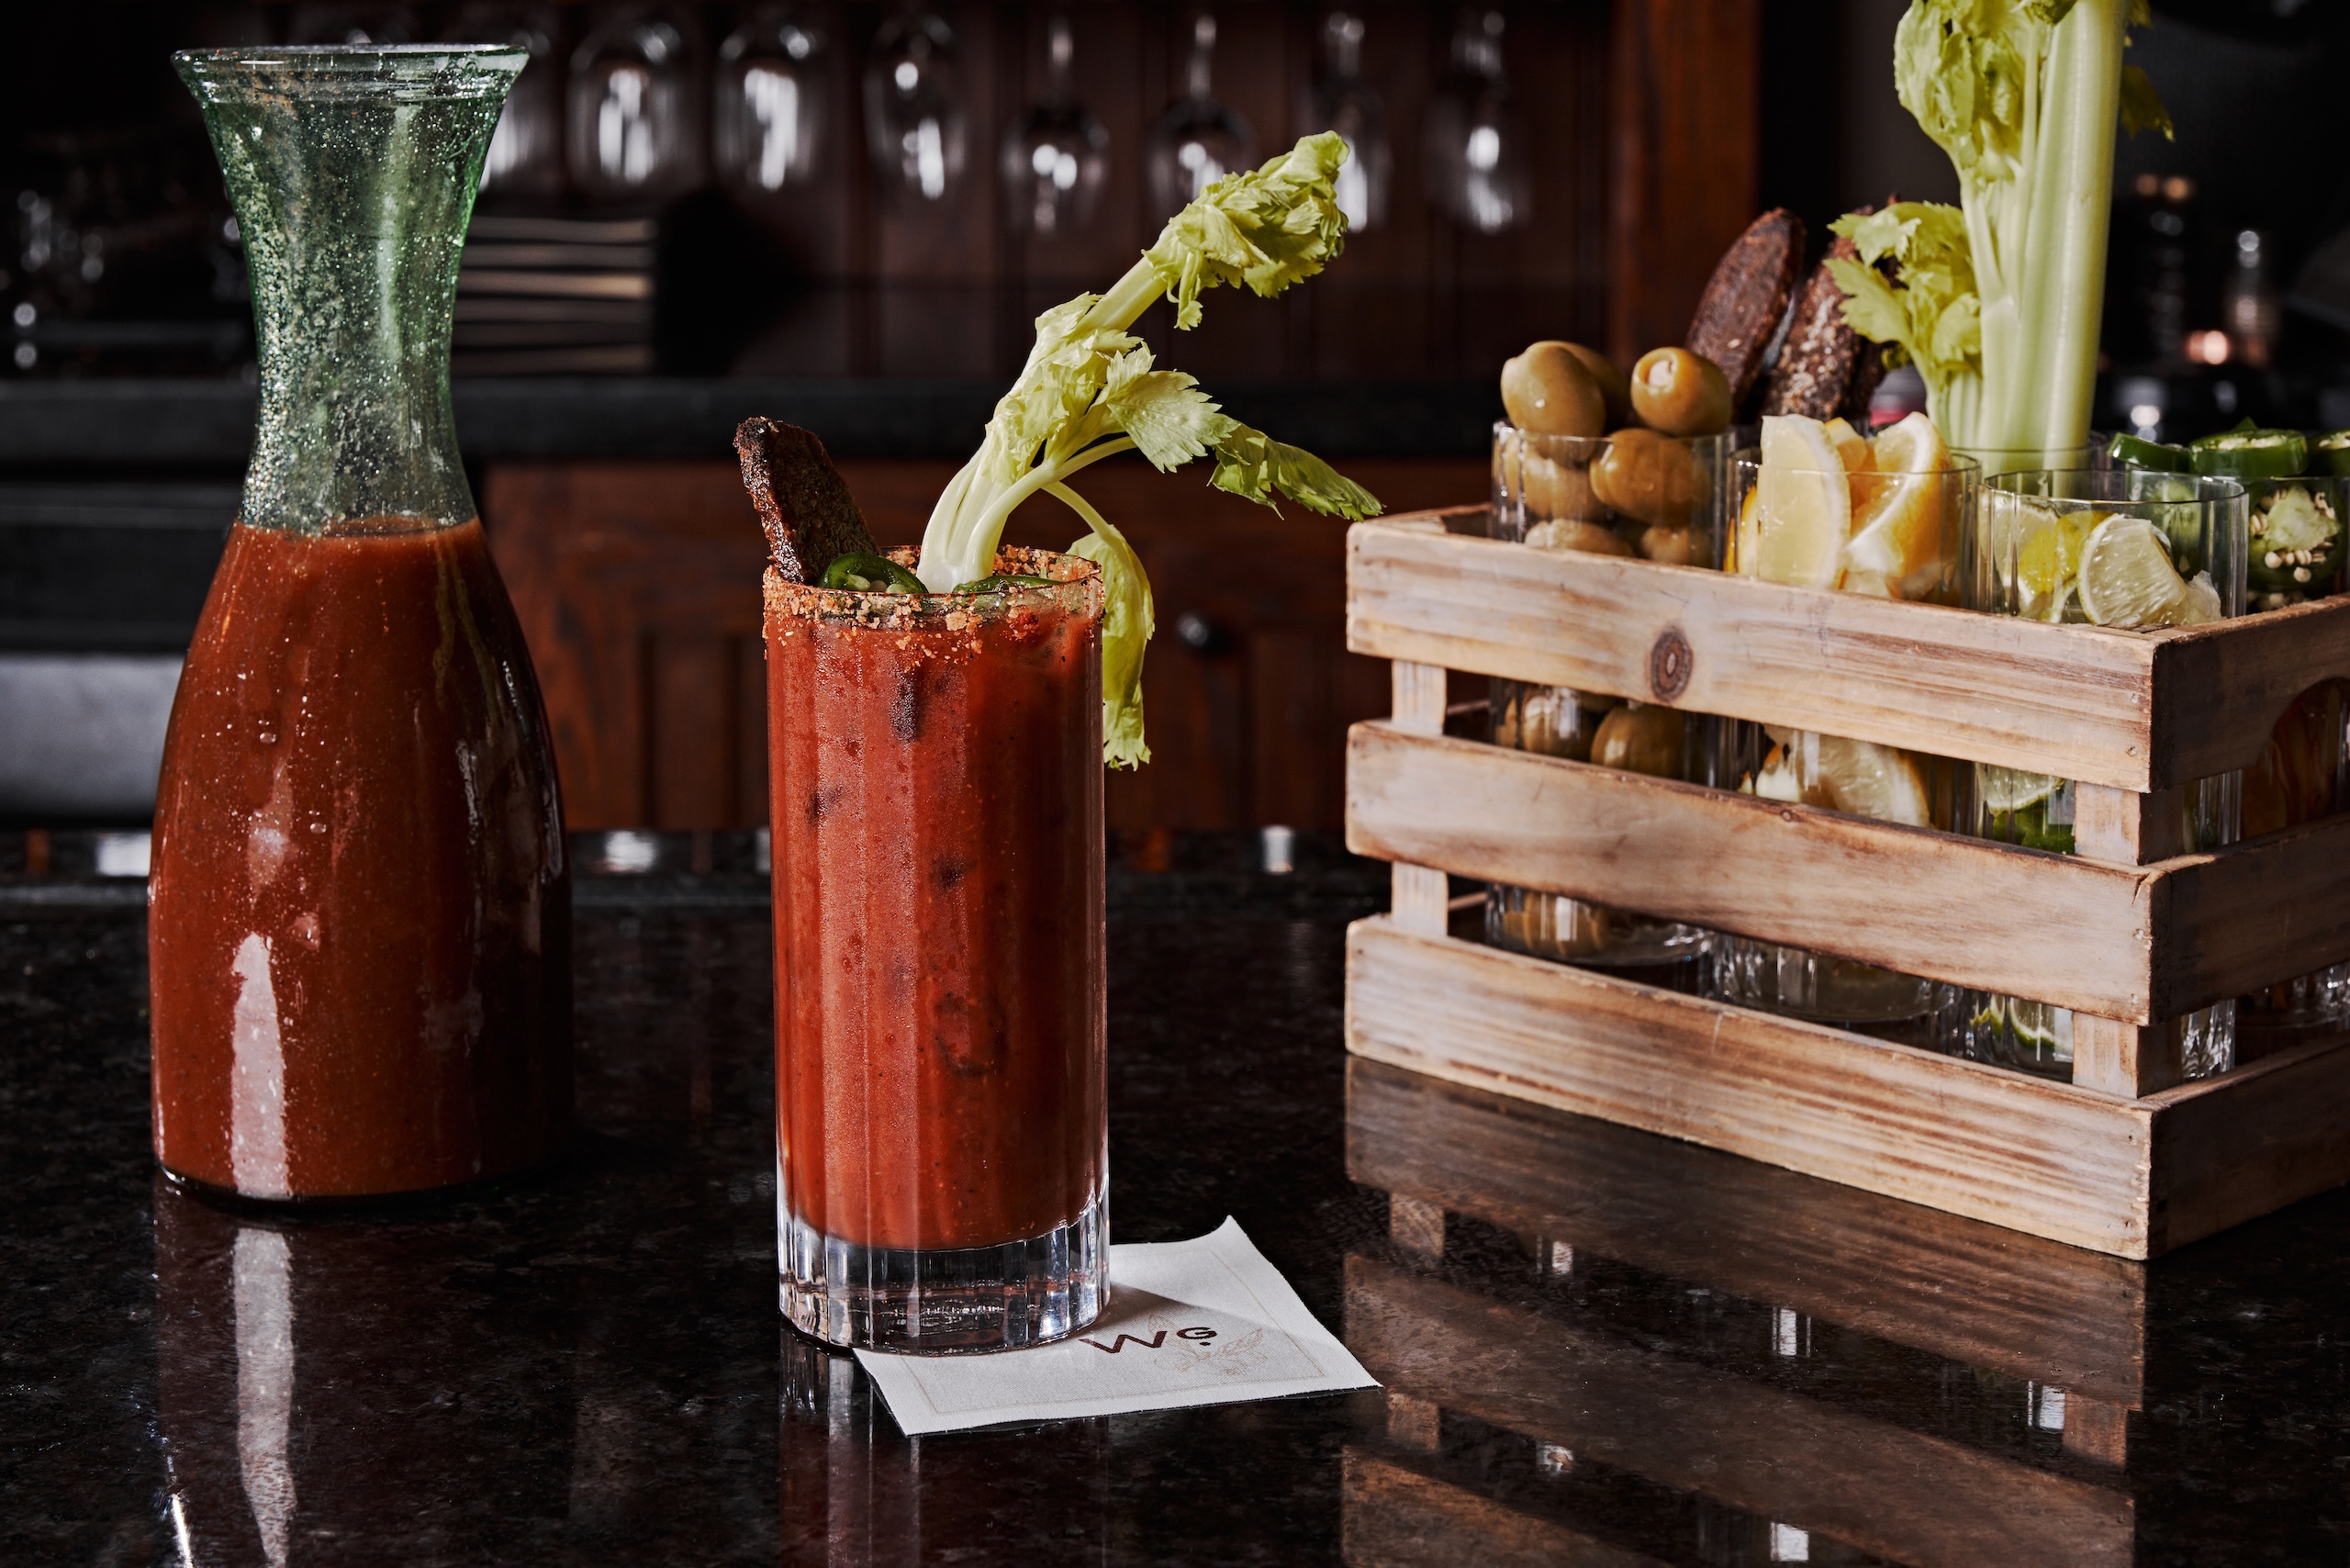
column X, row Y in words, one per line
column 353, row 173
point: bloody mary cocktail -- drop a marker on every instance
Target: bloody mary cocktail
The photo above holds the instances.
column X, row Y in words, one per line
column 936, row 787
column 359, row 924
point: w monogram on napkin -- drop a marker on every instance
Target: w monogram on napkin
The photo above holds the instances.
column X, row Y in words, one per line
column 1205, row 1322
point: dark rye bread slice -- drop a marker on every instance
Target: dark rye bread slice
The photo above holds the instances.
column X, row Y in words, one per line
column 1825, row 369
column 809, row 515
column 1747, row 297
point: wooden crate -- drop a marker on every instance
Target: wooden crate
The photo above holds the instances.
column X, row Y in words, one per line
column 2130, row 932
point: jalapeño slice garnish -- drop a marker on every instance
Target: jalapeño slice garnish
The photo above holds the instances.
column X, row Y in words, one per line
column 2138, row 453
column 862, row 572
column 2330, row 454
column 996, row 581
column 2250, row 454
column 2296, row 537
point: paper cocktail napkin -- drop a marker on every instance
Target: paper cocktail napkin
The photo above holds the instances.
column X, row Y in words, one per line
column 1205, row 1322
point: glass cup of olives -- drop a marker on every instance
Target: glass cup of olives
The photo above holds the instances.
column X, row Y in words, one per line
column 1635, row 493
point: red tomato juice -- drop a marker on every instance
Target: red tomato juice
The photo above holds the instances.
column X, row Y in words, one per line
column 358, row 923
column 936, row 790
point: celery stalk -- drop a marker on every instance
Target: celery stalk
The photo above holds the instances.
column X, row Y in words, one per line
column 1997, row 301
column 1089, row 391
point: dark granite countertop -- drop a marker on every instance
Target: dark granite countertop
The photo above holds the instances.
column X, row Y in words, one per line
column 1598, row 1347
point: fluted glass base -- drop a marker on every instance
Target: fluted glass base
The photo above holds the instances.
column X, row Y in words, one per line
column 946, row 1301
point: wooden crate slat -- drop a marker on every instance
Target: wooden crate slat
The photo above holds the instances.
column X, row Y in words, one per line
column 1953, row 1287
column 1911, row 898
column 2219, row 689
column 2066, row 1163
column 2233, row 1148
column 2074, row 701
column 2138, row 944
column 1909, row 1496
column 2251, row 915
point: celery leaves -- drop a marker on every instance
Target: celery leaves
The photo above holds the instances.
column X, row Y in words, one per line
column 1252, row 464
column 1929, row 309
column 1090, row 391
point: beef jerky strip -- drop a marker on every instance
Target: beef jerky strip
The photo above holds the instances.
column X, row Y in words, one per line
column 1746, row 298
column 809, row 515
column 1813, row 374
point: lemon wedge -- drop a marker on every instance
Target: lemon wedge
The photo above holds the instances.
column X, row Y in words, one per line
column 1850, row 446
column 2048, row 560
column 1804, row 506
column 1871, row 780
column 2126, row 578
column 1899, row 505
column 1858, row 778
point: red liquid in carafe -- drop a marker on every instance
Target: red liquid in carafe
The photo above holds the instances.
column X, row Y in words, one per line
column 359, row 924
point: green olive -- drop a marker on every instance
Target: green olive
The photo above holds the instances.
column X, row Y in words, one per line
column 1591, row 538
column 1614, row 385
column 1648, row 477
column 1642, row 740
column 1547, row 390
column 1670, row 545
column 1558, row 490
column 1681, row 393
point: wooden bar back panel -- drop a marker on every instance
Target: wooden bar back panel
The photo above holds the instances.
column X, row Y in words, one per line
column 638, row 587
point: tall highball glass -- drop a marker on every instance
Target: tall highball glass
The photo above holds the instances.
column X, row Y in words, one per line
column 940, row 1119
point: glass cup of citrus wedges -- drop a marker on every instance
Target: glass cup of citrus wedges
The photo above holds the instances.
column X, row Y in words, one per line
column 2131, row 550
column 1637, row 493
column 1821, row 506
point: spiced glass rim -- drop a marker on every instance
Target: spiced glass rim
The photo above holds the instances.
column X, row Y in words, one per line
column 1075, row 588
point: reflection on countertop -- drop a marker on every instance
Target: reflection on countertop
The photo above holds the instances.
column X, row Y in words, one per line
column 1598, row 1346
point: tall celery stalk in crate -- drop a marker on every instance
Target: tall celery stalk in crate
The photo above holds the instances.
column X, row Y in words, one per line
column 1998, row 300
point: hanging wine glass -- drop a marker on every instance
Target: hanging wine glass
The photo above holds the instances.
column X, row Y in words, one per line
column 1055, row 158
column 526, row 151
column 1343, row 102
column 1476, row 144
column 633, row 99
column 913, row 109
column 1198, row 141
column 769, row 113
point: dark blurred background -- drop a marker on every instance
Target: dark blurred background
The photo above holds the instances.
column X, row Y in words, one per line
column 847, row 214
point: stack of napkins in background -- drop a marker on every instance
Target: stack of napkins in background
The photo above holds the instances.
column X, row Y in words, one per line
column 1205, row 1322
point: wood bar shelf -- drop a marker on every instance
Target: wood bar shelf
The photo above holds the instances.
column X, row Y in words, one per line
column 2132, row 934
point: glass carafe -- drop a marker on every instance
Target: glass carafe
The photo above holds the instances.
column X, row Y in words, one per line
column 359, row 919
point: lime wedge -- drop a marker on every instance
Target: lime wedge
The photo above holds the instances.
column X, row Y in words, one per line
column 2009, row 789
column 2126, row 578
